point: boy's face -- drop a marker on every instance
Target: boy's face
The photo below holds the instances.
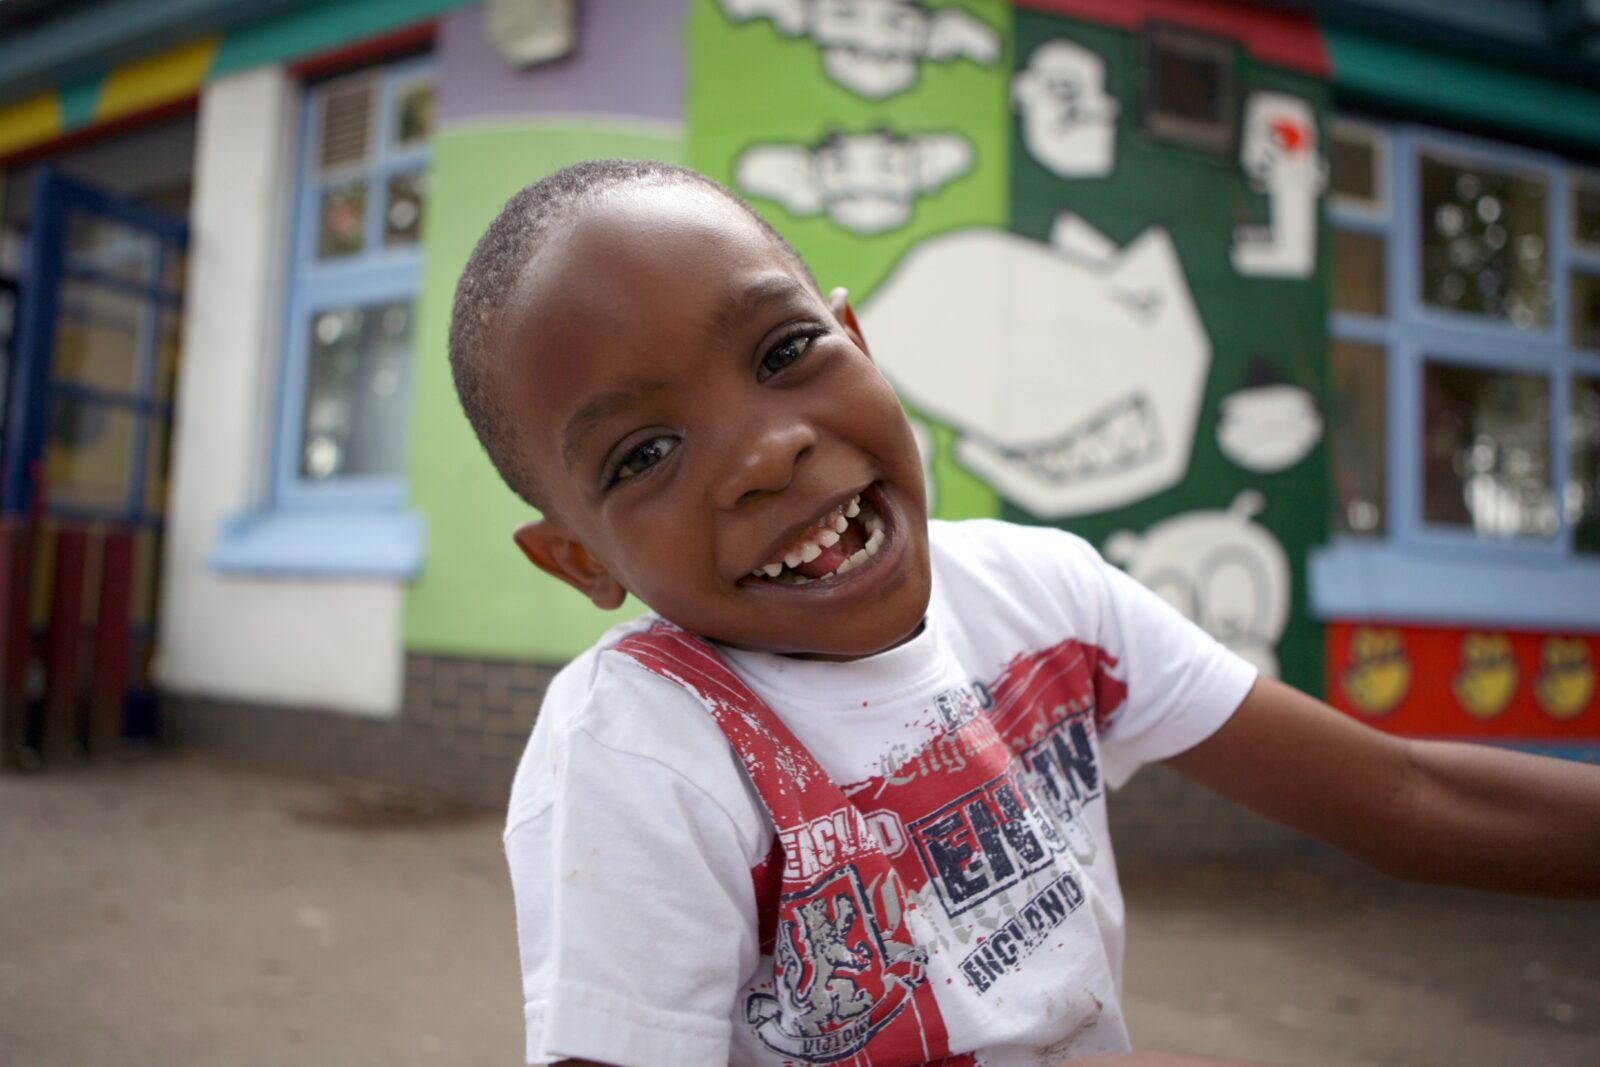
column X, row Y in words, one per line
column 696, row 415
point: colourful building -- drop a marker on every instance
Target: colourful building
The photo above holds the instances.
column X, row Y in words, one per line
column 1292, row 308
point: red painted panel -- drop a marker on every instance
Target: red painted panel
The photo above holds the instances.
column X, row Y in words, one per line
column 109, row 690
column 414, row 38
column 1282, row 38
column 1491, row 684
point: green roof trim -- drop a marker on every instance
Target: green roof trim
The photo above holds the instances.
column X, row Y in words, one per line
column 319, row 29
column 1456, row 87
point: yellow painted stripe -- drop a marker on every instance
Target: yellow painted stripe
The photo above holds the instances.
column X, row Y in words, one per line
column 161, row 79
column 30, row 122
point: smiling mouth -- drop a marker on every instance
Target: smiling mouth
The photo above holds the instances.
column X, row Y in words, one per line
column 841, row 540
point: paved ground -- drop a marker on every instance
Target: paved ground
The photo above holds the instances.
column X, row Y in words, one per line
column 179, row 912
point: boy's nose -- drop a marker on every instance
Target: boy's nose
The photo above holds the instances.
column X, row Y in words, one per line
column 763, row 460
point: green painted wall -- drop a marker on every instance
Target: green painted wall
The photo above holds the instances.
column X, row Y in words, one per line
column 476, row 595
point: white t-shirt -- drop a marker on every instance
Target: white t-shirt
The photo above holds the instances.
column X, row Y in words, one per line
column 633, row 828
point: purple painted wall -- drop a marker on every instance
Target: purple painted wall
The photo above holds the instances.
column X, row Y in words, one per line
column 629, row 62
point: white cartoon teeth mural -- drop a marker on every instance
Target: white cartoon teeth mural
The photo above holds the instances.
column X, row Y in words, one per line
column 1280, row 157
column 867, row 183
column 1227, row 573
column 1071, row 372
column 1267, row 424
column 874, row 47
column 1069, row 120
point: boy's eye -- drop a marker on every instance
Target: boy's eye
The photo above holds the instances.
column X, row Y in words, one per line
column 642, row 458
column 784, row 353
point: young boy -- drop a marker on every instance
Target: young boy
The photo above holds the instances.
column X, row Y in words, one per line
column 841, row 796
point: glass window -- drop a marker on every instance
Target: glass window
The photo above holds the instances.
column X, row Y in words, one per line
column 1585, row 302
column 1486, row 451
column 356, row 274
column 1191, row 93
column 1586, row 211
column 1358, row 166
column 1357, row 443
column 1583, row 487
column 1359, row 277
column 1483, row 242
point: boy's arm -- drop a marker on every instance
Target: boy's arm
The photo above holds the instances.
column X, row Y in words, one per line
column 1430, row 811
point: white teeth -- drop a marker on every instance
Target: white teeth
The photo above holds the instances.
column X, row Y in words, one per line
column 874, row 543
column 845, row 566
column 874, row 525
column 852, row 509
column 859, row 558
column 840, row 524
column 809, row 553
column 772, row 570
column 828, row 539
column 792, row 560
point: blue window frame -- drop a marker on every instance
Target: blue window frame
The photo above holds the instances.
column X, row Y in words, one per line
column 1464, row 266
column 337, row 487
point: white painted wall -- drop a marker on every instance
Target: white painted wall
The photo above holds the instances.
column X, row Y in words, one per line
column 325, row 643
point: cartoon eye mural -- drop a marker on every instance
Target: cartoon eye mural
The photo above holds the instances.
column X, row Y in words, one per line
column 1267, row 424
column 1279, row 155
column 1072, row 373
column 1380, row 671
column 867, row 183
column 1069, row 120
column 875, row 48
column 1487, row 678
column 1225, row 572
column 1565, row 684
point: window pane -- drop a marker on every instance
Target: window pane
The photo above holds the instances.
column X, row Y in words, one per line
column 1358, row 273
column 97, row 336
column 357, row 384
column 342, row 220
column 1354, row 166
column 157, row 461
column 88, row 459
column 1586, row 210
column 413, row 114
column 1486, row 451
column 346, row 123
column 108, row 246
column 1483, row 243
column 1356, row 378
column 1585, row 309
column 402, row 218
column 1583, row 490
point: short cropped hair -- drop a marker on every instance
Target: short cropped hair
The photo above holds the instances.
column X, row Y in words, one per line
column 496, row 264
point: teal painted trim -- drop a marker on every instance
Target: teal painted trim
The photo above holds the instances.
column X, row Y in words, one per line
column 78, row 102
column 320, row 28
column 87, row 44
column 1454, row 87
column 364, row 544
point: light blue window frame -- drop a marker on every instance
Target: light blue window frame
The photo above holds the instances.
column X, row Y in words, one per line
column 353, row 524
column 1422, row 572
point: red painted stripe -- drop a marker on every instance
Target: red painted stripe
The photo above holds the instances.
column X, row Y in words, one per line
column 87, row 134
column 1281, row 38
column 414, row 38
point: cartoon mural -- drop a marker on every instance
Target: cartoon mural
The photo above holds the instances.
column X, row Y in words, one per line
column 865, row 182
column 1267, row 424
column 1379, row 675
column 874, row 47
column 1565, row 683
column 1278, row 152
column 1072, row 372
column 1069, row 120
column 1225, row 572
column 1486, row 680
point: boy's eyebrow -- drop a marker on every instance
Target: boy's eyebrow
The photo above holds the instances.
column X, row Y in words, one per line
column 740, row 304
column 597, row 408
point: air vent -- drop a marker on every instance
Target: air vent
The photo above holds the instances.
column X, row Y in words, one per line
column 346, row 133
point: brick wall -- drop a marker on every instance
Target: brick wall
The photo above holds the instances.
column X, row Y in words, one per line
column 458, row 736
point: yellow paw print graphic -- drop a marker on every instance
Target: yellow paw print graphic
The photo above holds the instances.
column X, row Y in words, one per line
column 1379, row 674
column 1565, row 683
column 1487, row 678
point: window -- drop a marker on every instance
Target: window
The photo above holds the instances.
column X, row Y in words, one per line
column 357, row 268
column 337, row 500
column 1465, row 374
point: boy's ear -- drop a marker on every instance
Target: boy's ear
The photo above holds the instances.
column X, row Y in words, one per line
column 551, row 547
column 839, row 304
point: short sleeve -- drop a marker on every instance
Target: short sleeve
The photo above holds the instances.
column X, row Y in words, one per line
column 1182, row 683
column 635, row 909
